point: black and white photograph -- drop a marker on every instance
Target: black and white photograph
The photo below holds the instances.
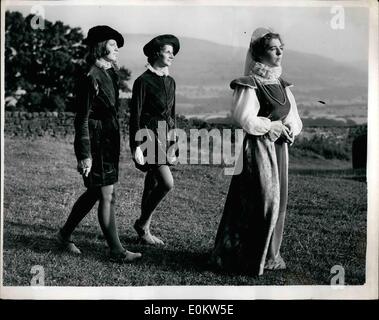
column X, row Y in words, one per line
column 189, row 150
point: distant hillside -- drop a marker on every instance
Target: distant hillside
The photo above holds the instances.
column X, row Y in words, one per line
column 203, row 70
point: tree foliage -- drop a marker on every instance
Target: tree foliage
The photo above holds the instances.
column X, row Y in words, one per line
column 43, row 64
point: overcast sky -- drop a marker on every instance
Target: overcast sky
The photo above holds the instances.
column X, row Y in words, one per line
column 306, row 29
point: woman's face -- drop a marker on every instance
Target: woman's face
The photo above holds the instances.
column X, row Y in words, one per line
column 166, row 56
column 112, row 48
column 273, row 54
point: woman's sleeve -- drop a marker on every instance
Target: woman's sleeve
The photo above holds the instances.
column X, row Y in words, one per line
column 293, row 119
column 175, row 138
column 86, row 91
column 173, row 114
column 245, row 108
column 136, row 104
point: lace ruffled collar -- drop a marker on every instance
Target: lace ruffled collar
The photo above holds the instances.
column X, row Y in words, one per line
column 265, row 73
column 162, row 72
column 103, row 64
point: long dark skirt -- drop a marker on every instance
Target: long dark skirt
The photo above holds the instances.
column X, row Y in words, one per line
column 251, row 228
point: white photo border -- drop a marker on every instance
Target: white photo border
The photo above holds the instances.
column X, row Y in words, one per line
column 367, row 291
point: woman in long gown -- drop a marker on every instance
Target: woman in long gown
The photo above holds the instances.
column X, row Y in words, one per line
column 251, row 229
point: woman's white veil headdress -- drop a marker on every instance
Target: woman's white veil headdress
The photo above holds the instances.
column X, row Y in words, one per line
column 256, row 68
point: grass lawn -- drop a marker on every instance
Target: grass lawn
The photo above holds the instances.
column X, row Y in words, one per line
column 325, row 226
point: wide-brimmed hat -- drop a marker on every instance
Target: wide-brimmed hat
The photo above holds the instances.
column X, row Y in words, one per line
column 102, row 33
column 155, row 44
